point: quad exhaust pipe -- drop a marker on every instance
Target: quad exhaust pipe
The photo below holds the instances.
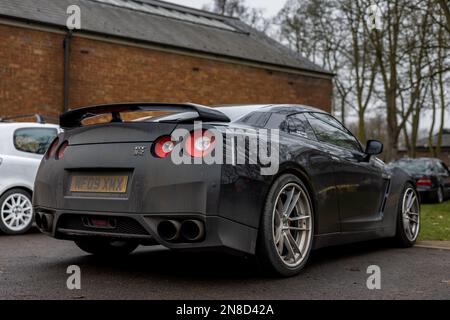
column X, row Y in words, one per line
column 38, row 220
column 192, row 230
column 188, row 230
column 169, row 230
column 44, row 221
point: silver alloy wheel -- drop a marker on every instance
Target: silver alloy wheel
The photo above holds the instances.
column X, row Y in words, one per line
column 16, row 212
column 440, row 195
column 411, row 214
column 292, row 224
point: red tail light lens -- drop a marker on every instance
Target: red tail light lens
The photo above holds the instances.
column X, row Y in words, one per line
column 424, row 182
column 163, row 146
column 200, row 143
column 52, row 149
column 62, row 149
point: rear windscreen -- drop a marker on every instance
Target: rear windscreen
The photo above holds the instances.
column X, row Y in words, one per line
column 415, row 166
column 236, row 112
column 140, row 116
column 34, row 140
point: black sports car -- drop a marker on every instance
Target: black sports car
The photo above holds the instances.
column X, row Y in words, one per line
column 114, row 185
column 431, row 175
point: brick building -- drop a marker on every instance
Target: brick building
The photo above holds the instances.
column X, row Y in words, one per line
column 143, row 50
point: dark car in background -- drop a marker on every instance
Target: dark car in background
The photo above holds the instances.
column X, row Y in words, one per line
column 432, row 177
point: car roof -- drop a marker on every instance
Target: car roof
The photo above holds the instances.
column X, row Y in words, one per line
column 418, row 159
column 235, row 111
column 18, row 125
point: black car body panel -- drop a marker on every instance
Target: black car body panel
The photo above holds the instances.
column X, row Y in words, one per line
column 354, row 197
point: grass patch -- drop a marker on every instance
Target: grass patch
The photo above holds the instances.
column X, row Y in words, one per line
column 435, row 222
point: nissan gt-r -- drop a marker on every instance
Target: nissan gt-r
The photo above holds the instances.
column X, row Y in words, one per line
column 274, row 181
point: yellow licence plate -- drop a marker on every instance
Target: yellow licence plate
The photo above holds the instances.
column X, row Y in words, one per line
column 99, row 184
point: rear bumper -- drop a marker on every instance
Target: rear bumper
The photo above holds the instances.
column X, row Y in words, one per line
column 220, row 233
column 228, row 199
column 426, row 193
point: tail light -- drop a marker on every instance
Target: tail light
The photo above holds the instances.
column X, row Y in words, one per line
column 200, row 143
column 424, row 182
column 62, row 149
column 52, row 149
column 163, row 146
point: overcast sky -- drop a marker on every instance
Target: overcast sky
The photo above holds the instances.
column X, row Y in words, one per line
column 271, row 7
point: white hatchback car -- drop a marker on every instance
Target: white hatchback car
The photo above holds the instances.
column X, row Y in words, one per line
column 22, row 146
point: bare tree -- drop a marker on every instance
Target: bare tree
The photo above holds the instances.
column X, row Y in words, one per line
column 331, row 34
column 446, row 10
column 414, row 81
column 386, row 44
column 315, row 29
column 362, row 62
column 441, row 72
column 396, row 72
column 239, row 9
column 431, row 146
column 425, row 72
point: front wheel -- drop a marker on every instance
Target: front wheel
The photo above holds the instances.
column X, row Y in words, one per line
column 408, row 220
column 100, row 247
column 286, row 230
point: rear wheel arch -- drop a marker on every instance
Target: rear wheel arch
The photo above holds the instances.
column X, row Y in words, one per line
column 299, row 172
column 400, row 237
column 268, row 253
column 23, row 188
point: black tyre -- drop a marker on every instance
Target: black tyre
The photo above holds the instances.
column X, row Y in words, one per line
column 16, row 212
column 286, row 230
column 408, row 217
column 101, row 247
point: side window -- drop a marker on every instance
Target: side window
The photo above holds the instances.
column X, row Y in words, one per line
column 34, row 140
column 329, row 130
column 299, row 126
column 330, row 120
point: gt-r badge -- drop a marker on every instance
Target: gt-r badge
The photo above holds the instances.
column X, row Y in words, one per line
column 139, row 151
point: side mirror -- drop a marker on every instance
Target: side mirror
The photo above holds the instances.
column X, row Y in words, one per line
column 374, row 147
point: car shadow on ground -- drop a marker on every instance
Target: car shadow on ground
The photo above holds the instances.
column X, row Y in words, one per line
column 33, row 230
column 158, row 261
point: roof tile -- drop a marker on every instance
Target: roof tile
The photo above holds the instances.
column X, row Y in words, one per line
column 173, row 25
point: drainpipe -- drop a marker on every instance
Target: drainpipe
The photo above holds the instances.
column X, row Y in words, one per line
column 67, row 40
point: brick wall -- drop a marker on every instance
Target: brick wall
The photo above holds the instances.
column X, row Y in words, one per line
column 31, row 76
column 31, row 71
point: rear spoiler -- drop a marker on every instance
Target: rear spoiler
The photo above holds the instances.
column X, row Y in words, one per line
column 73, row 118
